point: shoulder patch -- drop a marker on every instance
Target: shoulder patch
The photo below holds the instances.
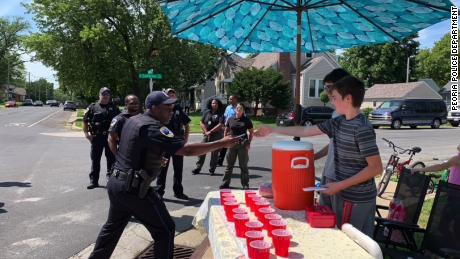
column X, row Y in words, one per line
column 166, row 132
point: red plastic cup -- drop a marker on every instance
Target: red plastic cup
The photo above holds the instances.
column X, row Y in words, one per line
column 240, row 219
column 240, row 211
column 225, row 195
column 258, row 205
column 222, row 191
column 259, row 249
column 269, row 217
column 229, row 206
column 264, row 211
column 254, row 201
column 276, row 224
column 250, row 202
column 246, row 195
column 253, row 226
column 281, row 242
column 251, row 236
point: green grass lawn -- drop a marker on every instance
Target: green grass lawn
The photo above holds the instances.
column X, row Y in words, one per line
column 196, row 117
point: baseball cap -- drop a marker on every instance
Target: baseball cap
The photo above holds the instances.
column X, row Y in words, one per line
column 104, row 90
column 157, row 98
column 167, row 91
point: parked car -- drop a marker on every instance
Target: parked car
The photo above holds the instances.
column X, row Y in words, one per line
column 69, row 105
column 10, row 104
column 453, row 117
column 52, row 103
column 286, row 119
column 28, row 102
column 410, row 112
column 38, row 103
column 315, row 114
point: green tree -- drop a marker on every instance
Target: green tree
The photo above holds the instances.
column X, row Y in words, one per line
column 324, row 98
column 435, row 63
column 93, row 43
column 40, row 90
column 11, row 37
column 381, row 64
column 261, row 87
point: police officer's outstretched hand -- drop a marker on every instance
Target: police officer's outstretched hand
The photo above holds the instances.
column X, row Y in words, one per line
column 89, row 138
column 230, row 141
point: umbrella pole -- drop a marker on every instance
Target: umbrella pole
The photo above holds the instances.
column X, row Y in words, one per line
column 298, row 108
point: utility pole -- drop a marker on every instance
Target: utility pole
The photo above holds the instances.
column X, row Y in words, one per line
column 408, row 67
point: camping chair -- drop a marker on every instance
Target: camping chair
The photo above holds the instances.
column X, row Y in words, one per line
column 410, row 193
column 442, row 235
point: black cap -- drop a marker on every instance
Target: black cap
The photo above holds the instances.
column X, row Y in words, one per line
column 104, row 90
column 157, row 98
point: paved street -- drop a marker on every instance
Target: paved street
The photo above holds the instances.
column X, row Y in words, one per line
column 47, row 212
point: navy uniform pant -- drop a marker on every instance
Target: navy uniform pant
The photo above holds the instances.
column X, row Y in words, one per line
column 178, row 166
column 99, row 144
column 150, row 211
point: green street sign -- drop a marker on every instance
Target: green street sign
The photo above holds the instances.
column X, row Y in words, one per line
column 150, row 76
column 150, row 71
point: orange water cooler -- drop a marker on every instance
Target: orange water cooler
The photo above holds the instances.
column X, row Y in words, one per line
column 292, row 170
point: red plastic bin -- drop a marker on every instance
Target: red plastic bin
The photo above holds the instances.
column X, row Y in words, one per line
column 319, row 216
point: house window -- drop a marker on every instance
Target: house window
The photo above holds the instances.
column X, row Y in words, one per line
column 316, row 87
column 374, row 103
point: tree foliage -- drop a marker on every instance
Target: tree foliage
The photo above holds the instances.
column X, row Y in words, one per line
column 11, row 37
column 94, row 43
column 435, row 63
column 40, row 90
column 261, row 87
column 381, row 64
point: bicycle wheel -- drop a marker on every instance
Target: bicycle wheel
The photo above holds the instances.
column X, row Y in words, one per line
column 384, row 180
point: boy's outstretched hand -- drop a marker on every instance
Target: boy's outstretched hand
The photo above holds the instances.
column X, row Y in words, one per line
column 332, row 188
column 263, row 131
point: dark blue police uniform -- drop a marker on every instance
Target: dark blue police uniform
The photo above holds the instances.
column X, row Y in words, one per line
column 98, row 116
column 143, row 142
column 176, row 125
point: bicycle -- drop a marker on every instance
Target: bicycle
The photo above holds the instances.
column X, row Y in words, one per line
column 394, row 166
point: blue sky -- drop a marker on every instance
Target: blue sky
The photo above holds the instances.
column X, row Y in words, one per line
column 13, row 8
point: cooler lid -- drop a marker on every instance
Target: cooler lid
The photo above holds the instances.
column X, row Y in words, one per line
column 292, row 145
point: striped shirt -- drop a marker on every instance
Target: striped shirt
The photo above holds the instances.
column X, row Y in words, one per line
column 354, row 141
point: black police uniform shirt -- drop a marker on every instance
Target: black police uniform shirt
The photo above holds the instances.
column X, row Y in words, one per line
column 143, row 142
column 117, row 123
column 239, row 126
column 177, row 122
column 211, row 120
column 99, row 116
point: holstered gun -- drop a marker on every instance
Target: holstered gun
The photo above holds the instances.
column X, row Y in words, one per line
column 145, row 182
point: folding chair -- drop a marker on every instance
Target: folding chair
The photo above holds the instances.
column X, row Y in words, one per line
column 410, row 191
column 442, row 235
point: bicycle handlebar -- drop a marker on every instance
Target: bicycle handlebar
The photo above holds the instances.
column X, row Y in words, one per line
column 392, row 145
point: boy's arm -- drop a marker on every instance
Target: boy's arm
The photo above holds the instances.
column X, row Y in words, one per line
column 322, row 152
column 298, row 131
column 373, row 168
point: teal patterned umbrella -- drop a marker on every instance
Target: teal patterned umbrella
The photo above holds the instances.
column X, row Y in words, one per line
column 255, row 26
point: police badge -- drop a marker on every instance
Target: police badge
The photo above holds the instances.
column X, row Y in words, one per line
column 166, row 132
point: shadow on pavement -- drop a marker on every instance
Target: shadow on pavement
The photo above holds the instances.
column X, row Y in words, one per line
column 190, row 202
column 2, row 210
column 15, row 184
column 258, row 168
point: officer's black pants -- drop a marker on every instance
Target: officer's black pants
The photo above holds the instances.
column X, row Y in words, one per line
column 98, row 144
column 150, row 211
column 178, row 166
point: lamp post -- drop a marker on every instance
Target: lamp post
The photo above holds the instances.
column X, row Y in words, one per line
column 407, row 68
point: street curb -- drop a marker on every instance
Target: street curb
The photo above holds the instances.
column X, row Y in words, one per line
column 135, row 239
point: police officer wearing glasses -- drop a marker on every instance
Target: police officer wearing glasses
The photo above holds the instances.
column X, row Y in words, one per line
column 144, row 141
column 96, row 123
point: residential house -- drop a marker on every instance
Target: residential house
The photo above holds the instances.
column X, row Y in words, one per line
column 379, row 93
column 314, row 68
column 11, row 92
column 445, row 92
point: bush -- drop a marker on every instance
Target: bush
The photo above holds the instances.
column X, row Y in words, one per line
column 367, row 111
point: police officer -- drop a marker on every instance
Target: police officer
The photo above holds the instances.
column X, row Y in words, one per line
column 144, row 140
column 132, row 108
column 96, row 123
column 230, row 112
column 179, row 125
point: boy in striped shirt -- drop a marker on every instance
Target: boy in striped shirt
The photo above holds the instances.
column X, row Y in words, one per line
column 357, row 160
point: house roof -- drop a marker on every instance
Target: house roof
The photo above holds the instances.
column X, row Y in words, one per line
column 266, row 60
column 431, row 83
column 447, row 87
column 394, row 91
column 20, row 91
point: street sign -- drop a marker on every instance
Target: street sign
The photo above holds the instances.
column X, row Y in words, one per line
column 150, row 71
column 150, row 76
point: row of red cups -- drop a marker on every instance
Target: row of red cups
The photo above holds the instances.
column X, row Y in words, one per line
column 252, row 230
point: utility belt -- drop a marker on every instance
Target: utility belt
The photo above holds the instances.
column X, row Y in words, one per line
column 97, row 128
column 136, row 182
